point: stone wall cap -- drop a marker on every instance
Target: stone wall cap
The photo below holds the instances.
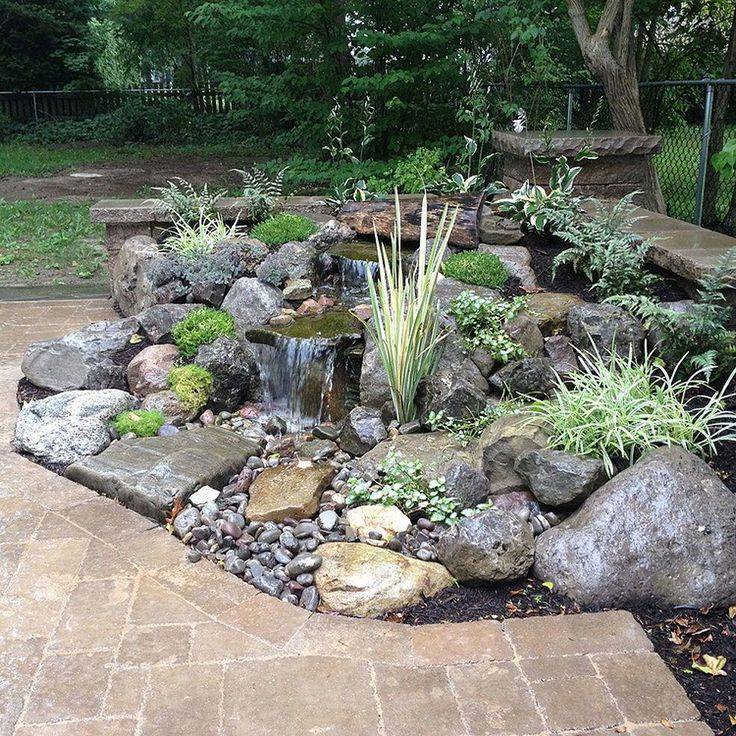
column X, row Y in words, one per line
column 570, row 142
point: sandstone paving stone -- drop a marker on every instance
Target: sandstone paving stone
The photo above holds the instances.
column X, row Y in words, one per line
column 104, row 518
column 125, row 692
column 471, row 641
column 146, row 474
column 318, row 705
column 560, row 700
column 644, row 688
column 585, row 633
column 184, row 700
column 18, row 663
column 684, row 728
column 18, row 519
column 154, row 604
column 154, row 645
column 103, row 561
column 67, row 687
column 538, row 669
column 215, row 642
column 97, row 727
column 417, row 700
column 10, row 555
column 495, row 699
column 98, row 626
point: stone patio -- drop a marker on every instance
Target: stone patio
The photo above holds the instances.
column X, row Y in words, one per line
column 106, row 630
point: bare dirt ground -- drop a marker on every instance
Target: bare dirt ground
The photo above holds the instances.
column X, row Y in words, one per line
column 121, row 179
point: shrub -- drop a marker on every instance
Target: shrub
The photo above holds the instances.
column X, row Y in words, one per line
column 412, row 174
column 482, row 324
column 405, row 324
column 201, row 327
column 142, row 422
column 482, row 269
column 284, row 228
column 192, row 384
column 618, row 409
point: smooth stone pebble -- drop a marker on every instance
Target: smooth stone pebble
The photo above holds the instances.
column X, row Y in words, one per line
column 235, row 565
column 304, row 579
column 289, row 598
column 309, row 599
column 282, row 556
column 303, row 563
column 166, row 430
column 232, row 530
column 194, row 555
column 328, row 520
column 268, row 584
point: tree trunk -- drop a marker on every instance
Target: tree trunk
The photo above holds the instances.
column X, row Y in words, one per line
column 721, row 102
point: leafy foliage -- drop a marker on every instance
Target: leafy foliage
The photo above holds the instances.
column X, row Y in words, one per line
column 405, row 321
column 200, row 327
column 605, row 250
column 697, row 337
column 417, row 172
column 192, row 384
column 141, row 422
column 472, row 267
column 182, row 200
column 482, row 324
column 350, row 190
column 198, row 240
column 617, row 409
column 284, row 228
column 465, row 430
column 261, row 192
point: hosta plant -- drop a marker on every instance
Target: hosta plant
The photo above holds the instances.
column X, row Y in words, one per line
column 405, row 322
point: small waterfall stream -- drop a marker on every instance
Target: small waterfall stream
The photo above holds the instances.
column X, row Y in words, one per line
column 354, row 276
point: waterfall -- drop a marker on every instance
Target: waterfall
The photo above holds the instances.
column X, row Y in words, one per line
column 354, row 275
column 296, row 378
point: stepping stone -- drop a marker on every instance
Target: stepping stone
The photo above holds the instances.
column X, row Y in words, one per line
column 146, row 474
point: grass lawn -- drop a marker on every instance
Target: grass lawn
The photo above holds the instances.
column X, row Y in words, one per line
column 42, row 242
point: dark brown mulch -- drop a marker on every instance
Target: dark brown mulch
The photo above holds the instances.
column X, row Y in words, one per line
column 680, row 637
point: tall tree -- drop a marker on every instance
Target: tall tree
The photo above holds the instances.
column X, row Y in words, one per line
column 609, row 52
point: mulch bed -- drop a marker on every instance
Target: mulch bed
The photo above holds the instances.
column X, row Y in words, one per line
column 680, row 636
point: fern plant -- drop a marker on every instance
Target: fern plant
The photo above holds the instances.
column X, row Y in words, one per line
column 181, row 200
column 604, row 249
column 261, row 192
column 697, row 338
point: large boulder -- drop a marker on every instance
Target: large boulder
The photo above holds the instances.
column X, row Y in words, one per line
column 142, row 275
column 550, row 309
column 71, row 425
column 157, row 321
column 605, row 328
column 466, row 484
column 288, row 491
column 526, row 377
column 170, row 405
column 93, row 357
column 660, row 532
column 524, row 330
column 518, row 262
column 499, row 446
column 492, row 546
column 362, row 580
column 375, row 390
column 148, row 372
column 449, row 289
column 149, row 474
column 560, row 351
column 361, row 431
column 252, row 303
column 557, row 478
column 290, row 261
column 331, row 233
column 235, row 375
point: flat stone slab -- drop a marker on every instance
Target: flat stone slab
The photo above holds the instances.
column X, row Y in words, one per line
column 571, row 142
column 146, row 474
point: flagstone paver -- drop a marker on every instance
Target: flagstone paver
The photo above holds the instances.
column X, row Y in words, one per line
column 106, row 630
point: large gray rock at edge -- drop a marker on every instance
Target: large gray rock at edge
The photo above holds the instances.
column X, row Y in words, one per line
column 557, row 478
column 290, row 261
column 362, row 430
column 157, row 321
column 526, row 377
column 492, row 546
column 146, row 474
column 252, row 303
column 661, row 532
column 605, row 328
column 69, row 426
column 375, row 390
column 235, row 375
column 87, row 358
column 466, row 484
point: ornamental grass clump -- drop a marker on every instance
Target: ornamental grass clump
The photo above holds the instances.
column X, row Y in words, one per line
column 284, row 228
column 194, row 240
column 200, row 327
column 192, row 384
column 481, row 269
column 617, row 409
column 141, row 422
column 405, row 315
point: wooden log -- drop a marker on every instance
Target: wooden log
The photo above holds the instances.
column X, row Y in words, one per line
column 362, row 216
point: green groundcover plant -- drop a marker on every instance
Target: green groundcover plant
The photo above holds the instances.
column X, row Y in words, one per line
column 192, row 384
column 616, row 409
column 481, row 269
column 284, row 228
column 200, row 327
column 141, row 422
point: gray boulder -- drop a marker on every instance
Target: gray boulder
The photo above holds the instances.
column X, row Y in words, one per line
column 362, row 430
column 290, row 261
column 235, row 376
column 69, row 426
column 374, row 386
column 492, row 546
column 560, row 351
column 149, row 371
column 252, row 303
column 87, row 358
column 499, row 446
column 526, row 377
column 142, row 275
column 605, row 328
column 557, row 478
column 157, row 321
column 331, row 233
column 466, row 484
column 449, row 289
column 524, row 330
column 661, row 532
column 170, row 405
